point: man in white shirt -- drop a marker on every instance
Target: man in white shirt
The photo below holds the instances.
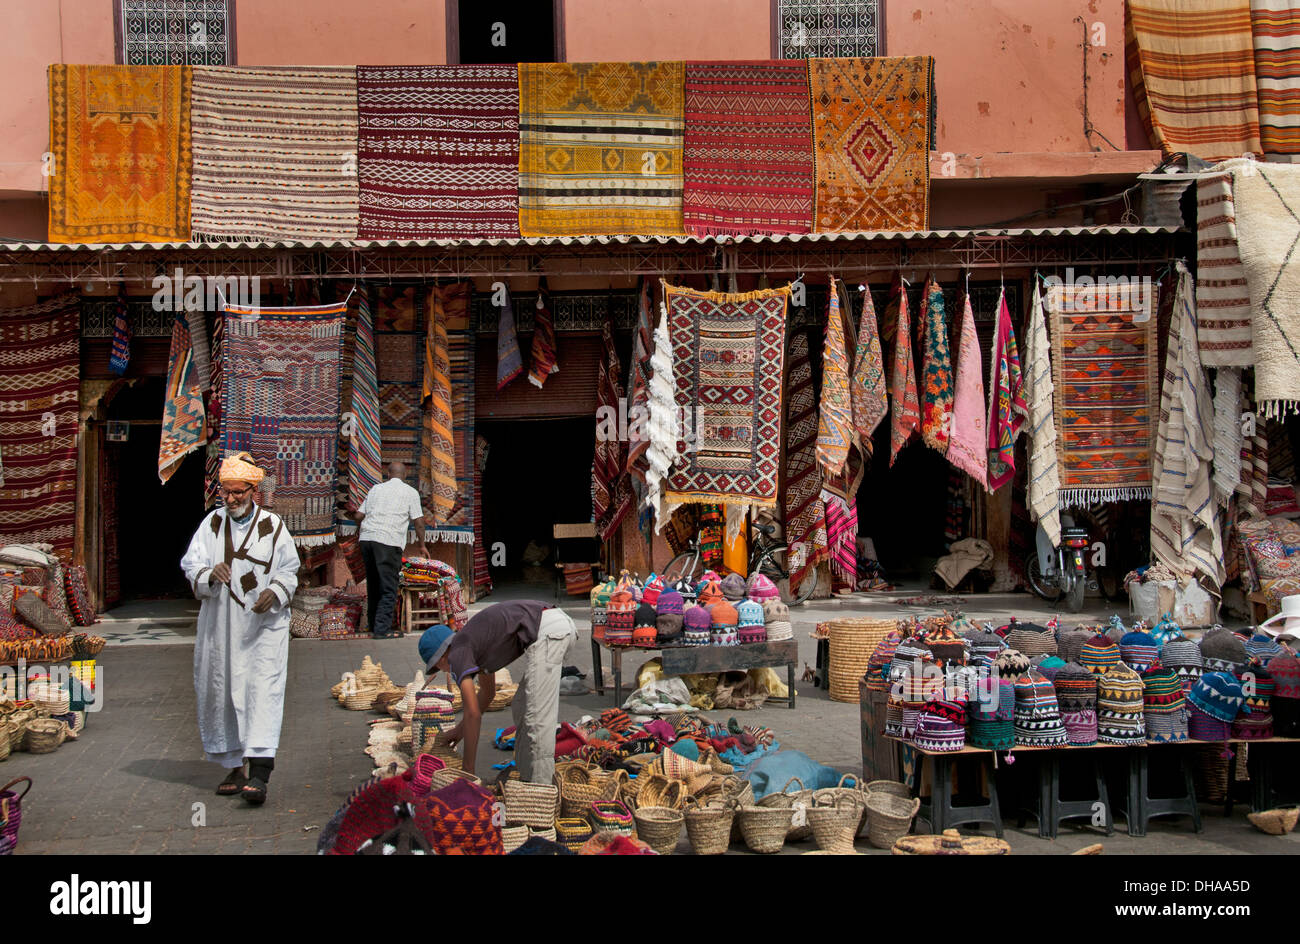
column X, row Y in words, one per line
column 387, row 512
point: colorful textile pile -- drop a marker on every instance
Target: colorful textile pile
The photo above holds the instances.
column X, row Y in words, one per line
column 588, row 132
column 274, row 153
column 437, row 443
column 1007, row 409
column 905, row 417
column 611, row 487
column 871, row 143
column 438, row 151
column 183, row 429
column 1267, row 199
column 936, row 372
column 1105, row 373
column 1222, row 300
column 747, row 159
column 728, row 350
column 805, row 514
column 120, row 139
column 835, row 417
column 1275, row 27
column 281, row 403
column 1192, row 68
column 544, row 355
column 1185, row 534
column 39, row 371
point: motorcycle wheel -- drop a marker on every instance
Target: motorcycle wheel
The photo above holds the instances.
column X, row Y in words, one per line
column 1042, row 587
column 1074, row 596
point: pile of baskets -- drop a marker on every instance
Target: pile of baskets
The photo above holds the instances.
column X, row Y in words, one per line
column 851, row 643
column 37, row 726
column 359, row 690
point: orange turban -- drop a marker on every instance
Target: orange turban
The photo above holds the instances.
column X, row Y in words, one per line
column 240, row 468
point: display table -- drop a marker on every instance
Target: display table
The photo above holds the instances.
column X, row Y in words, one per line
column 703, row 660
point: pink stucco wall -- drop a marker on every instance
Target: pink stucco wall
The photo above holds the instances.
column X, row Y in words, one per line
column 636, row 30
column 341, row 32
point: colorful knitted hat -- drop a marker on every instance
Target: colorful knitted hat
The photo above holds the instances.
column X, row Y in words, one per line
column 1184, row 657
column 723, row 614
column 1119, row 707
column 669, row 603
column 941, row 726
column 645, row 626
column 686, row 589
column 1166, row 629
column 1164, row 706
column 1117, row 630
column 1256, row 718
column 458, row 819
column 733, row 588
column 947, row 647
column 761, row 589
column 1219, row 695
column 1139, row 651
column 1070, row 645
column 1223, row 651
column 1263, row 647
column 992, row 725
column 621, row 618
column 985, row 644
column 1099, row 654
column 709, row 594
column 1032, row 640
column 749, row 613
column 910, row 651
column 1011, row 664
column 894, row 717
column 695, row 626
column 668, row 626
column 1285, row 670
column 1076, row 693
column 1202, row 727
column 650, row 592
column 1049, row 666
column 776, row 617
column 1037, row 713
column 644, row 615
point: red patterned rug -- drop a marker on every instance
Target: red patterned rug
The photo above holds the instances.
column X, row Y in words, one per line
column 748, row 157
column 39, row 373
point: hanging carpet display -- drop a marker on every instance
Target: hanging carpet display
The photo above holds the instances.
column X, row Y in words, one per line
column 183, row 429
column 805, row 514
column 544, row 354
column 437, row 444
column 1007, row 408
column 835, row 416
column 905, row 416
column 611, row 487
column 936, row 371
column 968, row 436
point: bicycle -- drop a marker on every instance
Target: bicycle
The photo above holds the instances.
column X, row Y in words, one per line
column 688, row 566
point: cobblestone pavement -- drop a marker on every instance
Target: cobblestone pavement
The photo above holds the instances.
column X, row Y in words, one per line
column 136, row 782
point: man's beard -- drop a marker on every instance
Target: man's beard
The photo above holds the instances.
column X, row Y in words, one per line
column 240, row 511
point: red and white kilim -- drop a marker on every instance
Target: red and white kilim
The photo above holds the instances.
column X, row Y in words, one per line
column 438, row 151
column 39, row 373
column 1223, row 313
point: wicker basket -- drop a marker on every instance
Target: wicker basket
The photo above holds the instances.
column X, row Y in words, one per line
column 709, row 827
column 788, row 801
column 1275, row 822
column 659, row 828
column 530, row 804
column 18, row 730
column 49, row 697
column 851, row 644
column 436, row 744
column 512, row 837
column 611, row 816
column 581, row 786
column 764, row 828
column 835, row 825
column 889, row 818
column 505, row 694
column 4, row 739
column 891, row 787
column 658, row 790
column 449, row 775
column 738, row 793
column 44, row 735
column 856, row 795
column 548, row 833
column 572, row 832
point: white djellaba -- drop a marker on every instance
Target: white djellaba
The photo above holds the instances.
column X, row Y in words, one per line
column 661, row 426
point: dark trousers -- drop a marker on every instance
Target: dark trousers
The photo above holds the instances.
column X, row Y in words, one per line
column 383, row 562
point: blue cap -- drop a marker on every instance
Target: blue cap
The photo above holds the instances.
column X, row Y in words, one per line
column 433, row 643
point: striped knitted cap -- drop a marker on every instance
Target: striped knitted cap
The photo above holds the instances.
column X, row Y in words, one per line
column 1164, row 708
column 1219, row 695
column 991, row 735
column 1070, row 646
column 1049, row 666
column 1076, row 688
column 1223, row 651
column 995, row 700
column 1258, row 686
column 947, row 646
column 881, row 657
column 1032, row 640
column 645, row 616
column 986, row 643
column 723, row 614
column 1099, row 654
column 1285, row 670
column 1139, row 650
column 1034, row 692
column 1119, row 707
column 749, row 613
column 1180, row 654
column 941, row 726
column 1204, row 727
column 652, row 589
column 733, row 588
column 1263, row 647
column 709, row 594
column 670, row 603
column 686, row 589
column 1011, row 663
column 909, row 651
column 1037, row 713
column 762, row 589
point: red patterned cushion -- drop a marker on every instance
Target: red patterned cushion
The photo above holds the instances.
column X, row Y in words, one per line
column 461, row 819
column 1286, row 567
column 74, row 585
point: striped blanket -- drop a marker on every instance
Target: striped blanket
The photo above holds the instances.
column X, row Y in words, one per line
column 600, row 148
column 1222, row 302
column 275, row 153
column 1192, row 67
column 1275, row 26
column 39, row 370
column 805, row 513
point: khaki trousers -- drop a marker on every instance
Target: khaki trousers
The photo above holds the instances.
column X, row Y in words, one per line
column 536, row 706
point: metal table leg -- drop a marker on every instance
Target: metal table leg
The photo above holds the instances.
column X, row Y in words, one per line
column 596, row 667
column 616, row 657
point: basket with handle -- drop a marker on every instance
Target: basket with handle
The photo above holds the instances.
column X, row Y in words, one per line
column 11, row 813
column 44, row 735
column 708, row 827
column 581, row 786
column 658, row 790
column 573, row 832
column 530, row 804
column 855, row 795
column 800, row 798
column 6, row 730
column 835, row 824
column 659, row 828
column 449, row 775
column 889, row 818
column 764, row 828
column 512, row 837
column 611, row 816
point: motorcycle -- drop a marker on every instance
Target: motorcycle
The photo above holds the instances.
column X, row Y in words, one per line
column 1067, row 574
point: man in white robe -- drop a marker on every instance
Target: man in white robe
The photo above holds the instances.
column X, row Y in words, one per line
column 243, row 566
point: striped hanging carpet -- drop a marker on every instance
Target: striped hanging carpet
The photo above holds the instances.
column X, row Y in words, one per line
column 365, row 469
column 805, row 513
column 1107, row 392
column 968, row 439
column 1192, row 67
column 281, row 370
column 183, row 428
column 747, row 159
column 588, row 132
column 1275, row 27
column 397, row 360
column 611, row 487
column 543, row 354
column 459, row 525
column 896, row 332
column 1044, row 484
column 510, row 363
column 638, row 395
column 274, row 153
column 120, row 141
column 438, row 151
column 213, row 403
column 437, row 445
column 1223, row 311
column 1007, row 408
column 1184, row 520
column 868, row 389
column 39, row 372
column 835, row 415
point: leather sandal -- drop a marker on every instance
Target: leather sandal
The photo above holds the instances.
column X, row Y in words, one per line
column 233, row 783
column 254, row 791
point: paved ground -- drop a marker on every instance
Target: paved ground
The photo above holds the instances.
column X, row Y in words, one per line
column 136, row 783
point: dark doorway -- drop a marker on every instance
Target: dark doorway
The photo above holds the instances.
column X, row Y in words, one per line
column 538, row 475
column 154, row 521
column 519, row 32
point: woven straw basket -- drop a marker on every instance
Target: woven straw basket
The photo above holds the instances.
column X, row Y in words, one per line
column 852, row 641
column 659, row 828
column 787, row 800
column 580, row 786
column 531, row 804
column 44, row 735
column 764, row 827
column 1275, row 822
column 512, row 837
column 657, row 790
column 855, row 796
column 889, row 819
column 611, row 816
column 449, row 775
column 834, row 826
column 709, row 827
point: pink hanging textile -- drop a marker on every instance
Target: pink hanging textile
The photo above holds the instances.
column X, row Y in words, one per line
column 1007, row 408
column 968, row 443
